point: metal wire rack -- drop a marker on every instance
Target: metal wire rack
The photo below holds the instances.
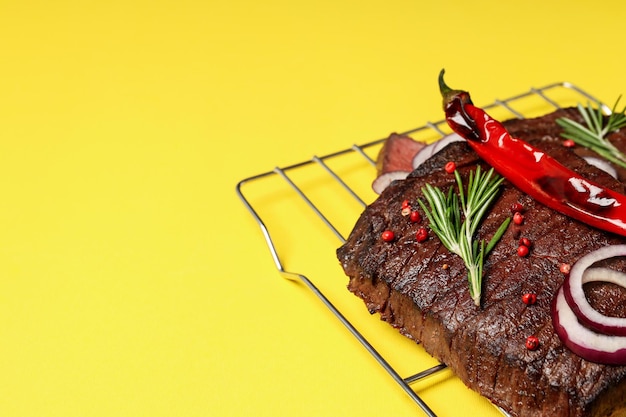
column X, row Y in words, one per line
column 534, row 102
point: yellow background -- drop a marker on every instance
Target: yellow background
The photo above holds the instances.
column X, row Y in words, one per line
column 133, row 282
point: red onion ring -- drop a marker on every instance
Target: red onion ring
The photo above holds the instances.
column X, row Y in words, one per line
column 382, row 181
column 427, row 151
column 575, row 296
column 592, row 346
column 432, row 148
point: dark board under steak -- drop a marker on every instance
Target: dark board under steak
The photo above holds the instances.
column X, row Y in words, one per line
column 422, row 289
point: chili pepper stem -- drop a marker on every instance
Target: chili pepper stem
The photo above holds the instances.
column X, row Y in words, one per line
column 443, row 87
column 446, row 92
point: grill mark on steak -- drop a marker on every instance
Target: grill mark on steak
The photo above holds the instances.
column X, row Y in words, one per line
column 405, row 283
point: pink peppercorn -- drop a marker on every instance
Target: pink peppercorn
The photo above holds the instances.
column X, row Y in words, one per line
column 421, row 235
column 388, row 236
column 450, row 167
column 517, row 207
column 532, row 342
column 568, row 143
column 529, row 298
column 522, row 251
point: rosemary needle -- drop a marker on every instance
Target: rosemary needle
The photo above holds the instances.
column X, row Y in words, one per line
column 456, row 218
column 594, row 135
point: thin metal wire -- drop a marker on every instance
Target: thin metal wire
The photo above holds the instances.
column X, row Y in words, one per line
column 505, row 104
column 340, row 180
column 436, row 127
column 302, row 194
column 295, row 276
column 428, row 372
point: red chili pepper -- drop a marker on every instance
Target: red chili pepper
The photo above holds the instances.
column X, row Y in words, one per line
column 532, row 170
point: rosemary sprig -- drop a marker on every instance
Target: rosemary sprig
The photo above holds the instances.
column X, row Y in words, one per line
column 456, row 218
column 593, row 135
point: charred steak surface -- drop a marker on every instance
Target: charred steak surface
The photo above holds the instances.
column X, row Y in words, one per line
column 422, row 289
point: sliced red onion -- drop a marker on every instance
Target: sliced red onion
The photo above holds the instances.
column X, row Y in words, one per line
column 602, row 164
column 382, row 181
column 575, row 296
column 432, row 148
column 592, row 346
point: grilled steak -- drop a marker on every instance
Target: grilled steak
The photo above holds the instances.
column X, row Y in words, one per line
column 422, row 289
